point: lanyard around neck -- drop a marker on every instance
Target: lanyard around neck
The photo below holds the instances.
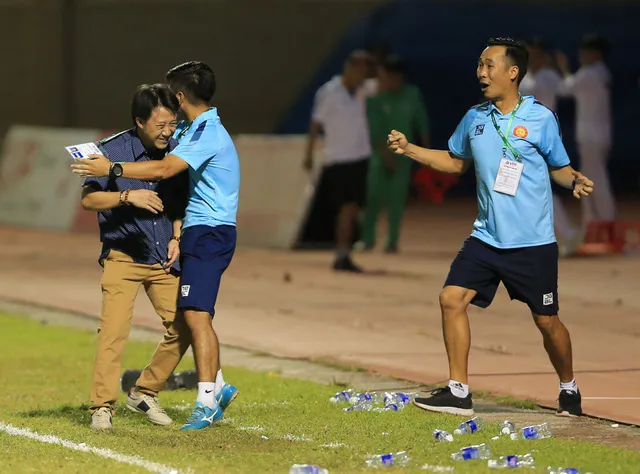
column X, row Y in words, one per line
column 508, row 145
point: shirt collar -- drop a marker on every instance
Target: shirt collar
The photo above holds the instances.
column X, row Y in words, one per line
column 137, row 147
column 520, row 114
column 210, row 114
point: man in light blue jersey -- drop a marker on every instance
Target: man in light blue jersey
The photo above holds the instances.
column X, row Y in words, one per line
column 515, row 145
column 208, row 239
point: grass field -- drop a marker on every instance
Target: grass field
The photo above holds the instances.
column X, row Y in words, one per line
column 45, row 373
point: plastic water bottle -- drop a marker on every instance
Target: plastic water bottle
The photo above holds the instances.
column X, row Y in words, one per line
column 541, row 431
column 367, row 397
column 307, row 469
column 392, row 459
column 508, row 462
column 473, row 425
column 397, row 398
column 388, row 407
column 564, row 470
column 364, row 406
column 442, row 436
column 405, row 397
column 343, row 396
column 507, row 428
column 480, row 451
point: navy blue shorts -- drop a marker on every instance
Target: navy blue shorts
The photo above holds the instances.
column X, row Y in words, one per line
column 205, row 253
column 530, row 274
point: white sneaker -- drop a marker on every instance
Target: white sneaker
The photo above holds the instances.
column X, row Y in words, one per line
column 101, row 419
column 149, row 406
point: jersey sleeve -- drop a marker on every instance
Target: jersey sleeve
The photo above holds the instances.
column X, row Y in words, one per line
column 198, row 148
column 551, row 145
column 459, row 143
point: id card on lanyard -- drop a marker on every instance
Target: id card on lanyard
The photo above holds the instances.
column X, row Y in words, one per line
column 510, row 171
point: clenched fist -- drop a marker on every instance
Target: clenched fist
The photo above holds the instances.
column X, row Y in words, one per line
column 397, row 142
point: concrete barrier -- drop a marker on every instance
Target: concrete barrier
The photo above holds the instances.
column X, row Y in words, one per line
column 38, row 190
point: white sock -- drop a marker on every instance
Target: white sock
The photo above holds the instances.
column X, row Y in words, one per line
column 570, row 386
column 206, row 394
column 219, row 382
column 458, row 389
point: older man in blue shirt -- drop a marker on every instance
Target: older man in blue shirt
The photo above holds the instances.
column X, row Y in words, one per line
column 140, row 226
column 516, row 147
column 209, row 231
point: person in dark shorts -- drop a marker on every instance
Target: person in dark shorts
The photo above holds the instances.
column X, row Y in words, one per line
column 340, row 112
column 515, row 145
column 208, row 238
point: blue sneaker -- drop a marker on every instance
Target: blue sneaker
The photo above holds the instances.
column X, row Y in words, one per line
column 202, row 417
column 226, row 395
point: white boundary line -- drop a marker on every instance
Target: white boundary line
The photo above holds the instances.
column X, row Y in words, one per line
column 102, row 452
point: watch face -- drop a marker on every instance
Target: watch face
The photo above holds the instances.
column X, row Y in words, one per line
column 117, row 170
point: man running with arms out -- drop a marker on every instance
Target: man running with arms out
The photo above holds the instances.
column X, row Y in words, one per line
column 515, row 145
column 209, row 229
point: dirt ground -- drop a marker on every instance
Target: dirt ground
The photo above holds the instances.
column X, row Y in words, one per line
column 291, row 304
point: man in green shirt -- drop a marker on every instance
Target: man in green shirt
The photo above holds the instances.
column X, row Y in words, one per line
column 397, row 106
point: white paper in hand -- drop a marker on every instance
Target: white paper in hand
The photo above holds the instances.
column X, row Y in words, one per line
column 83, row 150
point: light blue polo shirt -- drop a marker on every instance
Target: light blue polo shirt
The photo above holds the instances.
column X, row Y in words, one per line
column 214, row 171
column 526, row 219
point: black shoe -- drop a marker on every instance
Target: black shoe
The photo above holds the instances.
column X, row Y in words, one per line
column 129, row 379
column 443, row 401
column 187, row 379
column 345, row 264
column 391, row 248
column 569, row 403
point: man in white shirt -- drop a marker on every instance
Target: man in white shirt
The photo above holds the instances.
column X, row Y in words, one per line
column 340, row 112
column 543, row 81
column 590, row 86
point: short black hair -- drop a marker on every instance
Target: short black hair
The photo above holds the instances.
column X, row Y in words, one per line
column 394, row 64
column 379, row 50
column 595, row 42
column 148, row 97
column 541, row 44
column 359, row 55
column 515, row 51
column 195, row 79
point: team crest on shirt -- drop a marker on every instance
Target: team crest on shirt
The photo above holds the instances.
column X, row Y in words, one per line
column 521, row 131
column 479, row 129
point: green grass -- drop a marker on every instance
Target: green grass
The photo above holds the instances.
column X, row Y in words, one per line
column 506, row 401
column 45, row 374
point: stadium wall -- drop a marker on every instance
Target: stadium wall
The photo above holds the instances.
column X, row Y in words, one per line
column 38, row 190
column 76, row 63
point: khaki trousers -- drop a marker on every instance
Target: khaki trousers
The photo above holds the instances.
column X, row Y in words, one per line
column 121, row 281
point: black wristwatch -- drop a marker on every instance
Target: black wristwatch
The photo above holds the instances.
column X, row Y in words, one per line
column 115, row 171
